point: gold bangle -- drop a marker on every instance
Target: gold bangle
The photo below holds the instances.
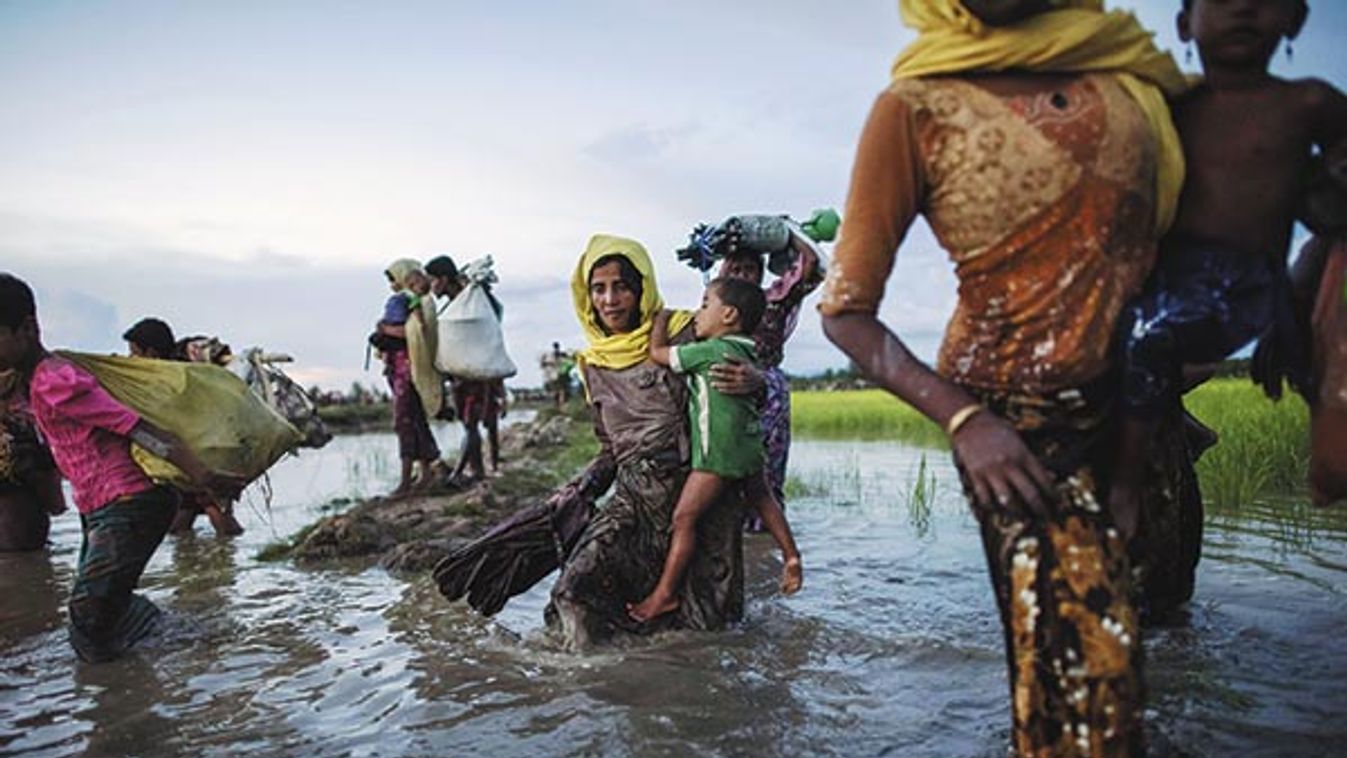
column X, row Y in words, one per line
column 960, row 418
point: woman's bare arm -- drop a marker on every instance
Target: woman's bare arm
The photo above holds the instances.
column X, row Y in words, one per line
column 887, row 186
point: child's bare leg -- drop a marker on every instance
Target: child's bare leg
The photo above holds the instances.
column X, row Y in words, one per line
column 699, row 492
column 1124, row 495
column 773, row 519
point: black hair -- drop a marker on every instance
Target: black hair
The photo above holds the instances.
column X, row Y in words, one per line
column 744, row 297
column 442, row 265
column 152, row 334
column 1188, row 5
column 748, row 256
column 629, row 275
column 16, row 301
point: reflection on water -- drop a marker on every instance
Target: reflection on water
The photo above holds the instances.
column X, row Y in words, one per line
column 891, row 648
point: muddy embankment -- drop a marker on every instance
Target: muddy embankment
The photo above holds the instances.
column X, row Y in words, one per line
column 411, row 534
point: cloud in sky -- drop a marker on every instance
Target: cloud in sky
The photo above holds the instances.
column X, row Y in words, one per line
column 249, row 168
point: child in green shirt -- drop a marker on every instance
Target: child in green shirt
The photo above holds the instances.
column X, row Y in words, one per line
column 727, row 446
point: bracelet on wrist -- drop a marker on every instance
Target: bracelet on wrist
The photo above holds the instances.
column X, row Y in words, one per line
column 960, row 418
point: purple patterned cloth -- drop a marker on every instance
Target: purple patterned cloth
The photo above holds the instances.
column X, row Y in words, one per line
column 415, row 442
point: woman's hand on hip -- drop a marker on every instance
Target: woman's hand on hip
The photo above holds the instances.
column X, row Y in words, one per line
column 1003, row 472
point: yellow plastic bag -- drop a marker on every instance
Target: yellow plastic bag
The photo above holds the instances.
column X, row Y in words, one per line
column 212, row 411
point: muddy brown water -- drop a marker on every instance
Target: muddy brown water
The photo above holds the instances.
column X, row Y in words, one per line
column 891, row 649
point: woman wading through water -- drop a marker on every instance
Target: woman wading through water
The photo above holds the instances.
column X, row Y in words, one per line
column 612, row 555
column 1035, row 139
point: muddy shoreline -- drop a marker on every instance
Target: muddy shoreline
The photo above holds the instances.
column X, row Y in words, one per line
column 411, row 534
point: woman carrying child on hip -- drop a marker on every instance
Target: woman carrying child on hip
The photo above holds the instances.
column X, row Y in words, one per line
column 727, row 446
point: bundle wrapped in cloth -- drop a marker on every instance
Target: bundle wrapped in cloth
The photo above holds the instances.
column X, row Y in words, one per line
column 208, row 408
column 515, row 554
column 764, row 234
column 471, row 344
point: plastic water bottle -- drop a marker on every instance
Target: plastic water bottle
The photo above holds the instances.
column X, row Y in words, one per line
column 756, row 233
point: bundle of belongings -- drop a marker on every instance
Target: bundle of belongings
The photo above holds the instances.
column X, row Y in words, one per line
column 471, row 344
column 211, row 410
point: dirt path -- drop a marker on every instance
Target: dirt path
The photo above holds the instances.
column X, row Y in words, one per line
column 412, row 534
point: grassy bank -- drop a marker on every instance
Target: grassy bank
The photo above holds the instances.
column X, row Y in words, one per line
column 412, row 533
column 356, row 417
column 1263, row 449
column 861, row 414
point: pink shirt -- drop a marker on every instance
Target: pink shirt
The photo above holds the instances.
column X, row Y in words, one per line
column 86, row 430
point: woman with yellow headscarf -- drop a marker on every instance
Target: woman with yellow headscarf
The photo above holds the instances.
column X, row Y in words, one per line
column 640, row 411
column 405, row 336
column 1034, row 138
column 613, row 555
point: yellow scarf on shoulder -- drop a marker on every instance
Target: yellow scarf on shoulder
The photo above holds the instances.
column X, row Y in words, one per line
column 618, row 351
column 422, row 334
column 1077, row 36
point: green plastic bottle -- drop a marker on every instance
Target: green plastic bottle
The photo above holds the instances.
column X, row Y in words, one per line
column 822, row 225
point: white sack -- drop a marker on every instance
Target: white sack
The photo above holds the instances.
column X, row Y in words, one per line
column 471, row 343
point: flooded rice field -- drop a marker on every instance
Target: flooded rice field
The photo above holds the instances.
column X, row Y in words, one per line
column 892, row 648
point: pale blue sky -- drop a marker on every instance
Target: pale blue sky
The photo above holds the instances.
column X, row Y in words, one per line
column 247, row 168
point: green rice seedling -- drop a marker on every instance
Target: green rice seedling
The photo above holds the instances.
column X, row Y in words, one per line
column 921, row 491
column 1263, row 448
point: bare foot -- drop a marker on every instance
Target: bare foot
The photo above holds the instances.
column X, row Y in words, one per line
column 232, row 527
column 652, row 607
column 792, row 576
column 402, row 491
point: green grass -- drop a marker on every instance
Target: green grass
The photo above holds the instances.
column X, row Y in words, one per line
column 355, row 416
column 1263, row 449
column 861, row 414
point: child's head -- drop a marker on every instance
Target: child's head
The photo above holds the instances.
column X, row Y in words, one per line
column 19, row 337
column 729, row 306
column 150, row 338
column 746, row 266
column 1240, row 33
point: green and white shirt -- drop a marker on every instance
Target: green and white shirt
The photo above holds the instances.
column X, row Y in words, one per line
column 726, row 435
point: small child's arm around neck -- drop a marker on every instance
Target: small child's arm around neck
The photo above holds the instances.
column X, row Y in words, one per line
column 659, row 338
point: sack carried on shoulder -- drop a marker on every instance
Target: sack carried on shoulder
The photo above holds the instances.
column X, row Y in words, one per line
column 471, row 344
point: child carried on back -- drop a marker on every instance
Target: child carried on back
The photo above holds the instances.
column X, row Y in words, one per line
column 727, row 448
column 1220, row 280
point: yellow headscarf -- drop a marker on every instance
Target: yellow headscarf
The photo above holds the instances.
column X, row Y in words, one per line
column 618, row 351
column 422, row 333
column 1077, row 36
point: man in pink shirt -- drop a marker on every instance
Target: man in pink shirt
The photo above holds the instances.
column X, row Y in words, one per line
column 124, row 514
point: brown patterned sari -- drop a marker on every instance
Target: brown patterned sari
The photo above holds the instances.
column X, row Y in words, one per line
column 1042, row 190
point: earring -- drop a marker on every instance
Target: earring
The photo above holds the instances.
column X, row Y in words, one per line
column 1188, row 53
column 1290, row 52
